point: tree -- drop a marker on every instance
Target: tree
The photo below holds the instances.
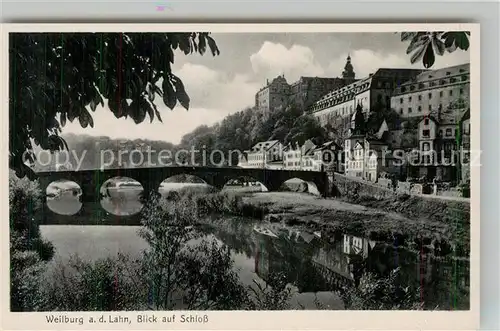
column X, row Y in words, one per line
column 425, row 45
column 55, row 78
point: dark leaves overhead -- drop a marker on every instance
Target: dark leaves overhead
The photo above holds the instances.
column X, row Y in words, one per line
column 424, row 46
column 67, row 76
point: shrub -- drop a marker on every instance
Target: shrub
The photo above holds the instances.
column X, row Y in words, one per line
column 200, row 276
column 276, row 294
column 382, row 293
column 28, row 250
column 25, row 197
column 102, row 285
column 26, row 276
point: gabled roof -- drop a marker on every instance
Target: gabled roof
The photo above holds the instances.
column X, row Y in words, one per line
column 328, row 145
column 264, row 145
column 359, row 143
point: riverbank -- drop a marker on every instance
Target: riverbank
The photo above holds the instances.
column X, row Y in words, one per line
column 403, row 221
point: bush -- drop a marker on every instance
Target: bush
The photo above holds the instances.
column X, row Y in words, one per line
column 200, row 276
column 102, row 285
column 275, row 295
column 28, row 250
column 382, row 293
column 25, row 197
column 26, row 276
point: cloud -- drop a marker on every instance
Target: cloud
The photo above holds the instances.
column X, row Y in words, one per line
column 366, row 61
column 212, row 89
column 274, row 59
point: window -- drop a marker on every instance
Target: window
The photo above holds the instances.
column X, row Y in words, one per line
column 419, row 108
column 430, row 96
column 430, row 107
column 419, row 97
column 401, row 111
column 441, row 94
column 464, row 78
column 401, row 100
column 461, row 91
column 421, row 85
column 426, row 133
column 440, row 132
column 451, row 93
column 440, row 107
column 409, row 110
column 426, row 121
column 448, row 132
column 409, row 99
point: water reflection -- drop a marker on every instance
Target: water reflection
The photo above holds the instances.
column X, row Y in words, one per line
column 314, row 264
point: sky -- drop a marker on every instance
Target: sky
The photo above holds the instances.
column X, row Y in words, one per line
column 227, row 83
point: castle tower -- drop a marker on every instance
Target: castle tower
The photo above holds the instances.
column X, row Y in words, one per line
column 348, row 72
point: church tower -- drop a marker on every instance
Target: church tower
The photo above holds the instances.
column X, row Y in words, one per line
column 348, row 72
column 358, row 122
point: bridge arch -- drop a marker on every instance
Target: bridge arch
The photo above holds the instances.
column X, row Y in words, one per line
column 301, row 186
column 63, row 197
column 244, row 183
column 121, row 196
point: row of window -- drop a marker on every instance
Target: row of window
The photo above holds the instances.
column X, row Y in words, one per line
column 433, row 83
column 334, row 102
column 448, row 133
column 441, row 94
column 419, row 108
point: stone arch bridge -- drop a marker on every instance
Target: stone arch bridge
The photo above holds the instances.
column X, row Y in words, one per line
column 91, row 181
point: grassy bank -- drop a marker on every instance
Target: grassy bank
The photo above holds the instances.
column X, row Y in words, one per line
column 439, row 234
column 432, row 226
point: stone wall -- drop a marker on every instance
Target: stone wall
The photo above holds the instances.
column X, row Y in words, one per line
column 385, row 183
column 351, row 187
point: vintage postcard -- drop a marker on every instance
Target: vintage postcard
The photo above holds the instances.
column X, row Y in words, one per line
column 241, row 176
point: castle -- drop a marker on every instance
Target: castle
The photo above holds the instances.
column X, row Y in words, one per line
column 303, row 93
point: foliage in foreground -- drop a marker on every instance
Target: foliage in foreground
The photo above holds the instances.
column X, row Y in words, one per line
column 387, row 293
column 426, row 45
column 62, row 75
column 28, row 251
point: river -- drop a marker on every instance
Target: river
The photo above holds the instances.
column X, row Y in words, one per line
column 314, row 265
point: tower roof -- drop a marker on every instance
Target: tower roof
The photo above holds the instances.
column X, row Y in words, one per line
column 348, row 69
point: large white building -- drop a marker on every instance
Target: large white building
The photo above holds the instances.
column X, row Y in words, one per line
column 262, row 154
column 372, row 93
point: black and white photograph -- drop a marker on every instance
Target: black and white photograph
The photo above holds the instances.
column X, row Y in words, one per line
column 251, row 171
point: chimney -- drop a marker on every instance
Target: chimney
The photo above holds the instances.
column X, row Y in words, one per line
column 370, row 75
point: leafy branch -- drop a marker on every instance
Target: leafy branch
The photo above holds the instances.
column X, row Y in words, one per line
column 425, row 45
column 55, row 78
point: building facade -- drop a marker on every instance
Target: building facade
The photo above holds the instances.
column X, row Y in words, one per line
column 372, row 93
column 273, row 95
column 262, row 154
column 433, row 91
column 328, row 156
column 292, row 157
column 303, row 93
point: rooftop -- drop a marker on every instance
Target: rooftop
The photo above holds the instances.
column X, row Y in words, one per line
column 264, row 145
column 440, row 73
